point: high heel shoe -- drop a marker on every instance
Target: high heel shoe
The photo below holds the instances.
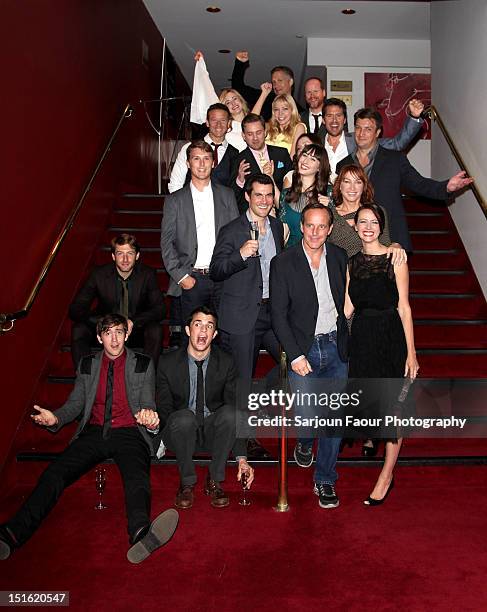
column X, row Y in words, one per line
column 370, row 451
column 370, row 501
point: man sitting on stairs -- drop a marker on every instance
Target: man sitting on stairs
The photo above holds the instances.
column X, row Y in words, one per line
column 125, row 286
column 113, row 398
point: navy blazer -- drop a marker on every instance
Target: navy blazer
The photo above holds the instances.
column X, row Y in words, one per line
column 294, row 303
column 241, row 294
column 391, row 173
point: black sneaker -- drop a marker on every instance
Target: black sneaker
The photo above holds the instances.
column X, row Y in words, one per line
column 6, row 544
column 327, row 495
column 303, row 455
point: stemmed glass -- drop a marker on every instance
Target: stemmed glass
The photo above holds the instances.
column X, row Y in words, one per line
column 100, row 483
column 254, row 234
column 244, row 501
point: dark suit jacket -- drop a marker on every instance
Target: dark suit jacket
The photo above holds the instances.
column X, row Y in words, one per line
column 178, row 231
column 241, row 295
column 146, row 302
column 294, row 303
column 139, row 385
column 222, row 174
column 282, row 165
column 310, row 129
column 172, row 386
column 391, row 173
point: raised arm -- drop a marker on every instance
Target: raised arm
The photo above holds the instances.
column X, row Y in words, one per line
column 227, row 256
column 251, row 94
column 265, row 90
column 179, row 171
column 411, row 126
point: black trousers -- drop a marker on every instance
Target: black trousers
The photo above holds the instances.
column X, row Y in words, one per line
column 204, row 293
column 245, row 347
column 149, row 337
column 180, row 436
column 125, row 446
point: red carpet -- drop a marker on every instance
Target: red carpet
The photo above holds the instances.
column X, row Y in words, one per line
column 423, row 550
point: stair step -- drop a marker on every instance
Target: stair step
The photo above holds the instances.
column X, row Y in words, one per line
column 430, row 221
column 455, row 282
column 458, row 336
column 437, row 240
column 136, row 220
column 419, row 205
column 141, row 202
column 149, row 237
column 448, row 365
column 448, row 306
column 449, row 259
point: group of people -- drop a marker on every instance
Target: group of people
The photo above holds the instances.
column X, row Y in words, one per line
column 307, row 255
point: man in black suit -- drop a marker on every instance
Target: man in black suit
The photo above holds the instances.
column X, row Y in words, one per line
column 244, row 312
column 258, row 158
column 307, row 299
column 390, row 172
column 315, row 94
column 282, row 78
column 218, row 121
column 193, row 216
column 196, row 403
column 125, row 286
column 113, row 400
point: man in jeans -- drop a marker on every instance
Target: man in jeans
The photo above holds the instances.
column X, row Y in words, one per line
column 307, row 291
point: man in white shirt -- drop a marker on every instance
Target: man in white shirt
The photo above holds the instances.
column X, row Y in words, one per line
column 193, row 216
column 218, row 121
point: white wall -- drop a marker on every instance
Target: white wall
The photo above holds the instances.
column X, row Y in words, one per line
column 349, row 59
column 459, row 74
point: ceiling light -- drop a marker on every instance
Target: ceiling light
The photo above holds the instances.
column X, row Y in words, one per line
column 224, row 50
column 345, row 11
column 213, row 9
column 299, row 36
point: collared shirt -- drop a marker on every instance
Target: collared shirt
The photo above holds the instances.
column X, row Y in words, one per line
column 261, row 157
column 327, row 313
column 267, row 250
column 311, row 121
column 371, row 156
column 204, row 214
column 180, row 169
column 336, row 156
column 121, row 414
column 193, row 382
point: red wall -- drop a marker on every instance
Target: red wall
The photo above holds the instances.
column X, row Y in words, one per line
column 72, row 66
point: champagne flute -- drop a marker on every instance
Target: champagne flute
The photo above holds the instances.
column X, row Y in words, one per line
column 100, row 483
column 254, row 234
column 244, row 501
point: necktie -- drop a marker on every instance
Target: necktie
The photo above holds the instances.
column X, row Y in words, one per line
column 200, row 395
column 107, row 421
column 317, row 123
column 124, row 300
column 215, row 152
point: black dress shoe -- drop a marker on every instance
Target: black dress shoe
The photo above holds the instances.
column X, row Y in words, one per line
column 370, row 451
column 7, row 543
column 370, row 501
column 255, row 450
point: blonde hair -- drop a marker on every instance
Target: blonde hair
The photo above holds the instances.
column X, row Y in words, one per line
column 226, row 91
column 273, row 127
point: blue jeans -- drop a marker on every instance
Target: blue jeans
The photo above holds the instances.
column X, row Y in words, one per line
column 325, row 363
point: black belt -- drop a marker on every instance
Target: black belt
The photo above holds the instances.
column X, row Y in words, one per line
column 265, row 300
column 375, row 312
column 203, row 271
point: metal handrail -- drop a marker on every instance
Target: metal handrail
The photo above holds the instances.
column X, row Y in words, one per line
column 7, row 319
column 433, row 113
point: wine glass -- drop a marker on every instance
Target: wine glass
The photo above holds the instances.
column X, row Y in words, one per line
column 244, row 501
column 100, row 483
column 254, row 234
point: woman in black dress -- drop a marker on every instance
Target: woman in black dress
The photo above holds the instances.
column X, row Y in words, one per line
column 382, row 338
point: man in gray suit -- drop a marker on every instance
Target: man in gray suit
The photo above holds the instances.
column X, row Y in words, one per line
column 193, row 216
column 114, row 400
column 339, row 144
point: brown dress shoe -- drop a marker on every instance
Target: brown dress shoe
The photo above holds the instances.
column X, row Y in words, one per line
column 184, row 497
column 219, row 499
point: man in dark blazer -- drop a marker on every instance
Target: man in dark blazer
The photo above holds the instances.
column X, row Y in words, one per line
column 307, row 287
column 113, row 399
column 193, row 216
column 257, row 158
column 312, row 117
column 126, row 286
column 390, row 172
column 244, row 311
column 196, row 403
column 218, row 121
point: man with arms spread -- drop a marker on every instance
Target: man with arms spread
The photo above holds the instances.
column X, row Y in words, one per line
column 219, row 121
column 307, row 288
column 196, row 402
column 193, row 216
column 126, row 286
column 113, row 398
column 257, row 158
column 390, row 172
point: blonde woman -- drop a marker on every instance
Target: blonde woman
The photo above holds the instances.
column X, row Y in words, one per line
column 285, row 125
column 238, row 109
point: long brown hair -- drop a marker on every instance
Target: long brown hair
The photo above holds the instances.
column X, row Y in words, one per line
column 321, row 177
column 357, row 173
